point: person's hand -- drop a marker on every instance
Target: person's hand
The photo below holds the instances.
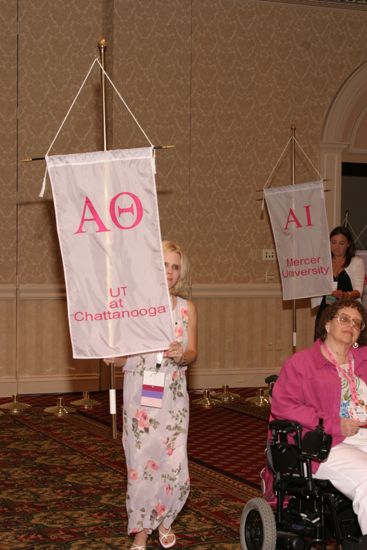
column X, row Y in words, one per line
column 338, row 294
column 115, row 361
column 349, row 426
column 175, row 352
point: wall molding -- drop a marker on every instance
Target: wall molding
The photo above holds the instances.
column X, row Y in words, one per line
column 337, row 135
column 7, row 292
column 244, row 331
column 33, row 292
column 31, row 385
column 42, row 292
column 350, row 94
column 200, row 290
column 246, row 290
column 215, row 379
column 339, row 4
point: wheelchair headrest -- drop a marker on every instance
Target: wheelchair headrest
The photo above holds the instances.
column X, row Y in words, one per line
column 271, row 379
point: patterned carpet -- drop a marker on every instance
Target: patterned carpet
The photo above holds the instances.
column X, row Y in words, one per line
column 228, row 442
column 63, row 480
column 229, row 439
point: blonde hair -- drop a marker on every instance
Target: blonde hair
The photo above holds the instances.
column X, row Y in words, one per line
column 181, row 287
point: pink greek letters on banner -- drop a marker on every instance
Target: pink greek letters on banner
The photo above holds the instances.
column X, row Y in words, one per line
column 298, row 219
column 292, row 218
column 108, row 227
column 136, row 217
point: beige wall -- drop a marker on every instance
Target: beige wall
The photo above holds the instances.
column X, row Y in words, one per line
column 222, row 80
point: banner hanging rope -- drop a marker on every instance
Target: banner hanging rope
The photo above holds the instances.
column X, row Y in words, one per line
column 267, row 183
column 96, row 60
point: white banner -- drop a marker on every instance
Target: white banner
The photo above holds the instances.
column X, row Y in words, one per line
column 299, row 223
column 108, row 226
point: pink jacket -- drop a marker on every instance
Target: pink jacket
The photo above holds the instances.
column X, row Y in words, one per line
column 309, row 388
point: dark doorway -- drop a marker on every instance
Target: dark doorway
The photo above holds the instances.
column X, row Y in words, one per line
column 354, row 201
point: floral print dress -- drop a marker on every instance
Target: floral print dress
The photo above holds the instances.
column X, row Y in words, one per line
column 155, row 440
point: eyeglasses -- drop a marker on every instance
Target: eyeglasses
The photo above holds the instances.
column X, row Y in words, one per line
column 345, row 320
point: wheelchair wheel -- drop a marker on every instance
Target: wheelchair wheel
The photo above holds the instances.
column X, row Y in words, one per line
column 258, row 528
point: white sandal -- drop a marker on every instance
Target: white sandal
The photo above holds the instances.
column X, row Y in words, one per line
column 163, row 538
column 138, row 547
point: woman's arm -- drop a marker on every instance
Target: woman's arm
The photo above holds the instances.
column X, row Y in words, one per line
column 176, row 351
column 191, row 352
column 295, row 398
column 304, row 394
column 356, row 272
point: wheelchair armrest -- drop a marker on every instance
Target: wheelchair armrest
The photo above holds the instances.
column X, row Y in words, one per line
column 285, row 426
column 316, row 445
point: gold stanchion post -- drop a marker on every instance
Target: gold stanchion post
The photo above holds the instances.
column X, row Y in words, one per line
column 60, row 409
column 261, row 399
column 86, row 402
column 113, row 401
column 15, row 407
column 102, row 44
column 207, row 400
column 225, row 395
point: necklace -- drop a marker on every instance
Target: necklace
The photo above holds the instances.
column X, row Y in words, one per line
column 347, row 374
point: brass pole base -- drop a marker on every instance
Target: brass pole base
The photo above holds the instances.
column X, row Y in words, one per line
column 60, row 409
column 207, row 401
column 225, row 395
column 86, row 402
column 261, row 399
column 15, row 407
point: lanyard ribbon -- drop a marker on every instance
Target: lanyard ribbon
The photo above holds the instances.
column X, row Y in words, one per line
column 347, row 374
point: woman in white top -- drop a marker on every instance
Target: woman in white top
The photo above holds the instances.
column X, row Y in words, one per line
column 348, row 269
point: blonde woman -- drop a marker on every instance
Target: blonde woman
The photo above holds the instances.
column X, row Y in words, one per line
column 155, row 439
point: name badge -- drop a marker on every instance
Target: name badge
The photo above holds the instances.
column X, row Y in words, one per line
column 359, row 413
column 153, row 389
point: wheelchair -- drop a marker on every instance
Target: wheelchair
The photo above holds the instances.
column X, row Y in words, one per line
column 298, row 511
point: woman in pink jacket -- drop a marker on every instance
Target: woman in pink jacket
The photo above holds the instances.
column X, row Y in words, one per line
column 329, row 381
